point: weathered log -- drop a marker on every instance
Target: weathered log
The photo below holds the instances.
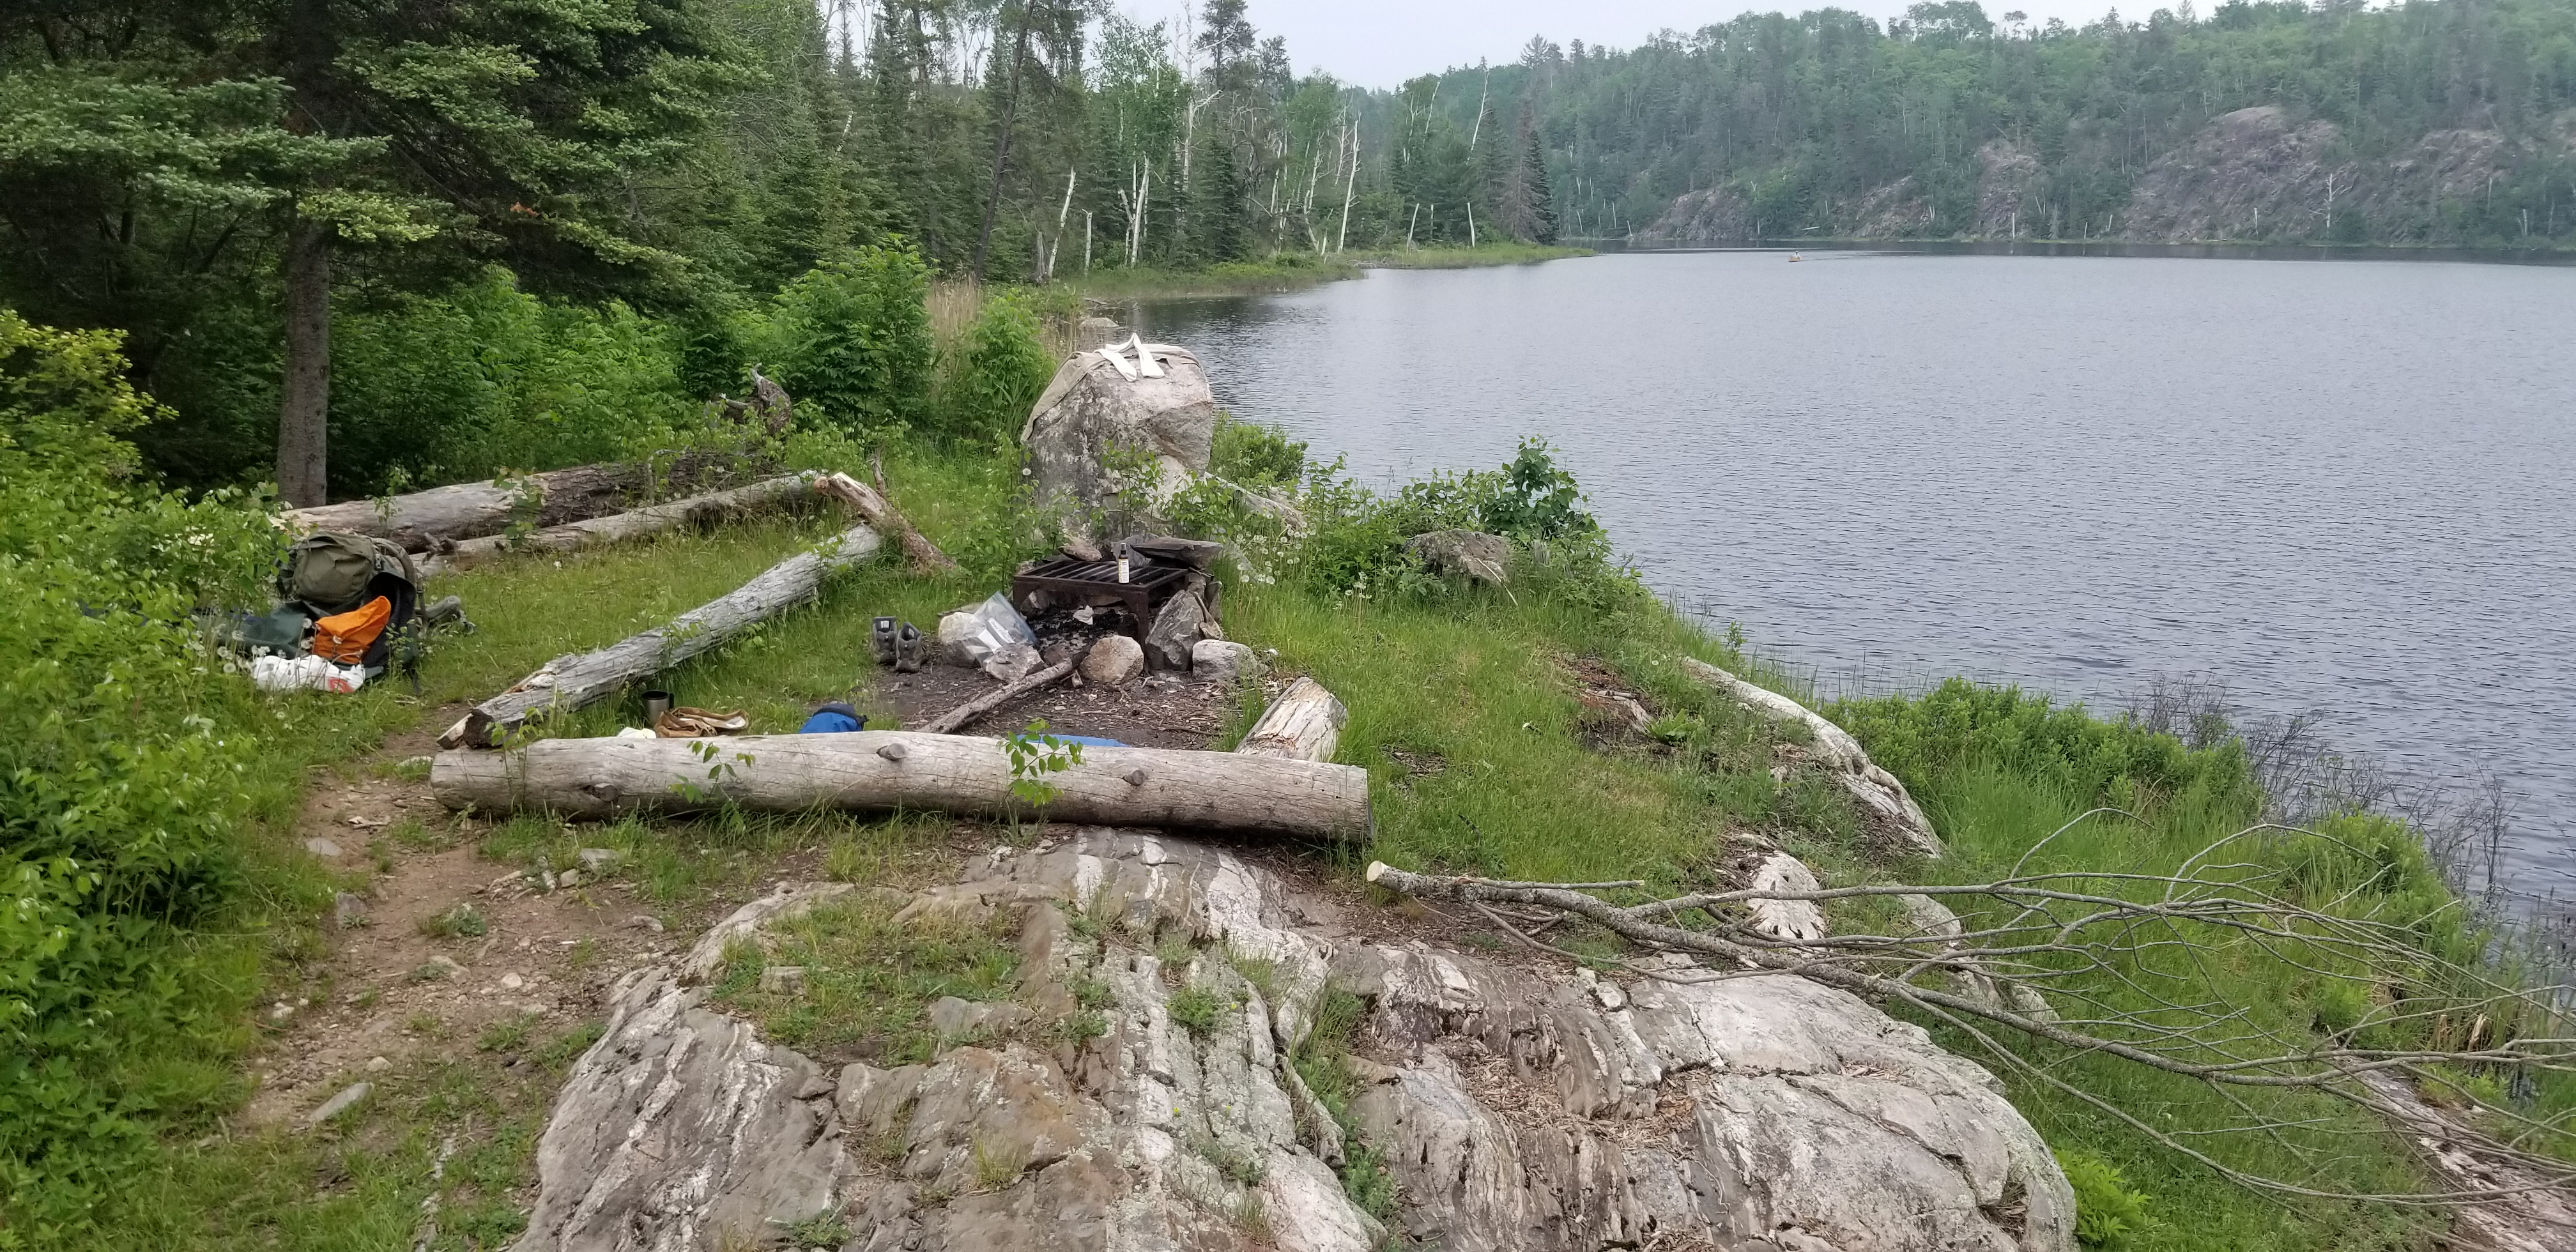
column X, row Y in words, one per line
column 875, row 770
column 1877, row 790
column 1303, row 724
column 964, row 715
column 595, row 532
column 873, row 507
column 572, row 681
column 424, row 520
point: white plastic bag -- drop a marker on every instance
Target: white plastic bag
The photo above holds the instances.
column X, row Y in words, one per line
column 994, row 627
column 303, row 673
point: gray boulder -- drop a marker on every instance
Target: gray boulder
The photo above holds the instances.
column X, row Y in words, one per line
column 1108, row 444
column 1221, row 661
column 1471, row 553
column 1114, row 661
column 1175, row 632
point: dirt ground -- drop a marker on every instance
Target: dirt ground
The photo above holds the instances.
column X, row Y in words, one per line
column 1156, row 711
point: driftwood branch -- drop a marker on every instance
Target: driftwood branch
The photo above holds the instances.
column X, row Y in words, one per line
column 1877, row 790
column 872, row 506
column 964, row 715
column 694, row 511
column 874, row 771
column 2040, row 967
column 571, row 682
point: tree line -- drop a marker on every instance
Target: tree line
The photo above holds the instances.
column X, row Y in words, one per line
column 394, row 230
column 1816, row 121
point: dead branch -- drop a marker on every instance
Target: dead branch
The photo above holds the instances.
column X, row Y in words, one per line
column 964, row 715
column 873, row 507
column 2041, row 967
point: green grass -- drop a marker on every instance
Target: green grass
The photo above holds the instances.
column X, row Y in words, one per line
column 869, row 981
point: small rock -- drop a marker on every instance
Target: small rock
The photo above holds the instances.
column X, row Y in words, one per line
column 322, row 847
column 1176, row 628
column 443, row 967
column 339, row 1104
column 600, row 860
column 1480, row 557
column 568, row 878
column 512, row 982
column 894, row 752
column 642, row 921
column 783, row 980
column 1218, row 661
column 378, row 1065
column 349, row 910
column 281, row 1011
column 1114, row 661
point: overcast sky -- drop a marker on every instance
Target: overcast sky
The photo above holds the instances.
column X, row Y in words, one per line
column 1380, row 43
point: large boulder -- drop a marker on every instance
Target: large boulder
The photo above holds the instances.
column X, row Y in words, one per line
column 1472, row 554
column 1519, row 1105
column 1177, row 629
column 1110, row 443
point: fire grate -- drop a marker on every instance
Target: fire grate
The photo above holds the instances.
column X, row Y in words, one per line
column 1072, row 579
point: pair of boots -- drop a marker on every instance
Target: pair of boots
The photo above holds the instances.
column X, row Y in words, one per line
column 897, row 645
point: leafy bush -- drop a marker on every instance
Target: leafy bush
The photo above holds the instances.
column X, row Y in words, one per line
column 2116, row 762
column 1253, row 455
column 120, row 788
column 850, row 340
column 2107, row 1212
column 1002, row 367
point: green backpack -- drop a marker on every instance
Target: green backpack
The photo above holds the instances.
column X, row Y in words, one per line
column 333, row 572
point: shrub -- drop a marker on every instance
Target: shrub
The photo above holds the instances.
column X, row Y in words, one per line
column 1001, row 369
column 2106, row 1211
column 1253, row 455
column 850, row 340
column 120, row 788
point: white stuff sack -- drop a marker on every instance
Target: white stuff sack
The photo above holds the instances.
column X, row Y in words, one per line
column 305, row 673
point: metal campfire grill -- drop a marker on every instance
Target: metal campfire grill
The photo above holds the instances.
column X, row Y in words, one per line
column 1074, row 579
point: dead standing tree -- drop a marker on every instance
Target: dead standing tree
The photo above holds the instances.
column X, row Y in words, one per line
column 2053, row 966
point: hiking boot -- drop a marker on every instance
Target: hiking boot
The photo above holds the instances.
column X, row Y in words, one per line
column 908, row 649
column 881, row 641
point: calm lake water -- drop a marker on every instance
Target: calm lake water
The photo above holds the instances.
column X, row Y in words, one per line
column 2338, row 487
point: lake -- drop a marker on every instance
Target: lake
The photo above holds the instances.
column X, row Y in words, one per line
column 2339, row 487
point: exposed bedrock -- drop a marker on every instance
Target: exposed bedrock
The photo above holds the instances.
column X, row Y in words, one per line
column 1517, row 1105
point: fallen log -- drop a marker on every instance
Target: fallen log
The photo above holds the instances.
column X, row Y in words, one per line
column 572, row 681
column 964, row 715
column 1303, row 724
column 1874, row 788
column 424, row 520
column 873, row 508
column 595, row 532
column 877, row 770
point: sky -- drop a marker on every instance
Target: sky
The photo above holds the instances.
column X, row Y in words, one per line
column 1380, row 43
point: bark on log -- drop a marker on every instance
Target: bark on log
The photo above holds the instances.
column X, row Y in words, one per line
column 595, row 532
column 876, row 770
column 423, row 520
column 964, row 715
column 1303, row 724
column 569, row 682
column 873, row 507
column 1877, row 790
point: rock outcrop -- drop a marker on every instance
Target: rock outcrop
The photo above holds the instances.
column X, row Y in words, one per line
column 1709, row 215
column 1518, row 1107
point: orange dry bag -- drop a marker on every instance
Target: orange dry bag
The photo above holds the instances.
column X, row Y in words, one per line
column 345, row 637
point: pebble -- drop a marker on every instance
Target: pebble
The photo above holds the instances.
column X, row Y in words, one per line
column 322, row 847
column 378, row 1065
column 643, row 922
column 512, row 982
column 339, row 1104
